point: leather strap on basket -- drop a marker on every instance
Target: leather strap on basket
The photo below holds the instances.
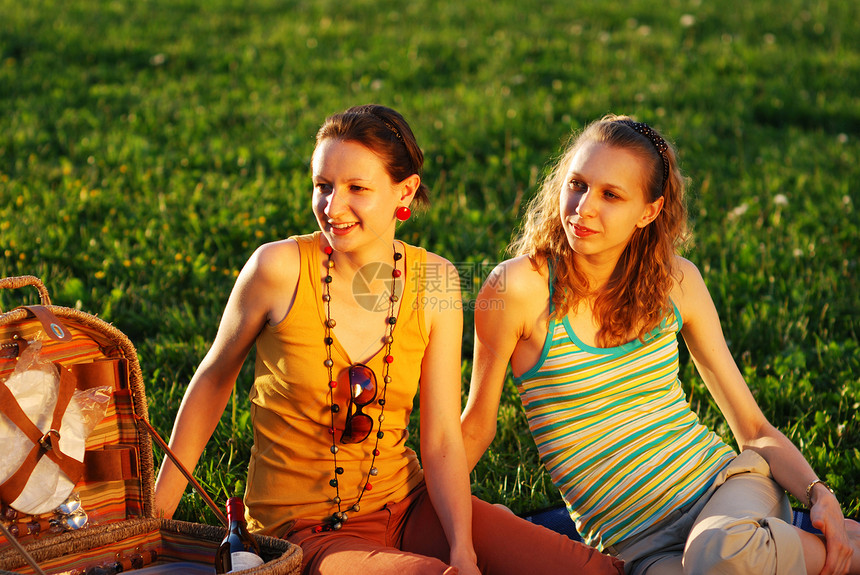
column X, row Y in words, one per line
column 52, row 327
column 51, row 324
column 111, row 373
column 46, row 445
column 116, row 463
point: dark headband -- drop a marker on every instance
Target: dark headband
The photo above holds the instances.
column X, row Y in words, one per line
column 654, row 138
column 388, row 125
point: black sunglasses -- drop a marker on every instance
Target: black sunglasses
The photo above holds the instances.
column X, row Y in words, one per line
column 362, row 391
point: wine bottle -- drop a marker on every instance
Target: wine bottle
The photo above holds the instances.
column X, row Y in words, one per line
column 239, row 550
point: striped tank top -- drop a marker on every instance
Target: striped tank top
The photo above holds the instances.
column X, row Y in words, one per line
column 616, row 433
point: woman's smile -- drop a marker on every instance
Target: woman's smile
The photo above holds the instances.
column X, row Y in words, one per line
column 581, row 231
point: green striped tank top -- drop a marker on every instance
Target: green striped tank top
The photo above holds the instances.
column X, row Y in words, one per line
column 616, row 433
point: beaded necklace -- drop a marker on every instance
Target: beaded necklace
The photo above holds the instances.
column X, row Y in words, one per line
column 337, row 520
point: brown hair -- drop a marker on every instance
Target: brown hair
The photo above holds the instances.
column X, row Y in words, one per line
column 384, row 132
column 636, row 297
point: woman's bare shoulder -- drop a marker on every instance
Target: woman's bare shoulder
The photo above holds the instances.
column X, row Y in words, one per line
column 270, row 278
column 275, row 260
column 686, row 273
column 521, row 276
column 689, row 291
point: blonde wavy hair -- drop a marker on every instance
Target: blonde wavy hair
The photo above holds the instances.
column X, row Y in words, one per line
column 636, row 297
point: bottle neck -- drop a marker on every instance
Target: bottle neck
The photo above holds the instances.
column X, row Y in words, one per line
column 235, row 519
column 235, row 510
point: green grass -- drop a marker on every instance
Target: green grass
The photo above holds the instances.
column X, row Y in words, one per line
column 146, row 148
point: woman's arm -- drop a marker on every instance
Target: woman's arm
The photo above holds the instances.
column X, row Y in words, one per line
column 247, row 310
column 442, row 454
column 510, row 306
column 706, row 342
column 495, row 339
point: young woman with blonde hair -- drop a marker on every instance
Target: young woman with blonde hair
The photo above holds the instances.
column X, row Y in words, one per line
column 587, row 314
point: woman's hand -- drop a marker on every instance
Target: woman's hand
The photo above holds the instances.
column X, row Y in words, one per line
column 465, row 562
column 827, row 517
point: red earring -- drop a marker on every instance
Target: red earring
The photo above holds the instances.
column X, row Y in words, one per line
column 402, row 213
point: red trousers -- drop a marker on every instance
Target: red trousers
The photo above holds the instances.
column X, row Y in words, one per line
column 406, row 538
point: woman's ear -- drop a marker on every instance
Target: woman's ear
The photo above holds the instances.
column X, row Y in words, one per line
column 408, row 188
column 651, row 212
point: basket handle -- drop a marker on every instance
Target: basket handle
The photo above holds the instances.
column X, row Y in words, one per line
column 24, row 281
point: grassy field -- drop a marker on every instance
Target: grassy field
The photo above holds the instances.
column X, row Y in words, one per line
column 146, row 148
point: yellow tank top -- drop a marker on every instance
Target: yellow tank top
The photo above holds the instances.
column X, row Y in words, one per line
column 291, row 461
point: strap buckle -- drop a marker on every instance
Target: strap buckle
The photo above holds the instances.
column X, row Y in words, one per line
column 47, row 442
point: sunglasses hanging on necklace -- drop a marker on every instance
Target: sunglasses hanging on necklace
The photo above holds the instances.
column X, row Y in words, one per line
column 362, row 392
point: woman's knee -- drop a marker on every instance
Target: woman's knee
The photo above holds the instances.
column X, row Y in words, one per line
column 737, row 547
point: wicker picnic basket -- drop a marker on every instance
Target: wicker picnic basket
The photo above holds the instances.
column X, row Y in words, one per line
column 115, row 482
